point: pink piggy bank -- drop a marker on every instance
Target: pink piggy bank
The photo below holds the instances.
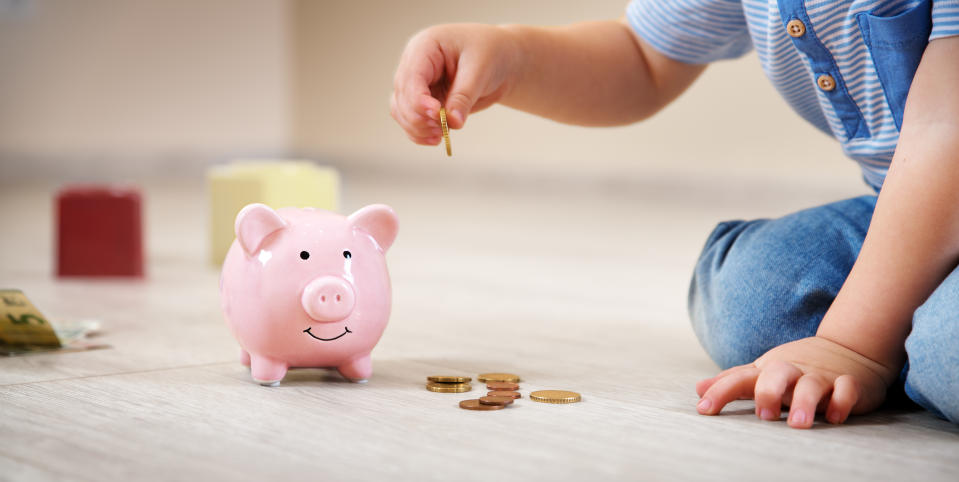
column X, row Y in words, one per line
column 308, row 288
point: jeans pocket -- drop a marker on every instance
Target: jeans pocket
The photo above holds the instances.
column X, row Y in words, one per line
column 896, row 45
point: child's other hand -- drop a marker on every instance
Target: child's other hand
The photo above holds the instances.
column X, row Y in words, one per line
column 466, row 67
column 809, row 375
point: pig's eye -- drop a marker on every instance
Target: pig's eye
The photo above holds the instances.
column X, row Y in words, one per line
column 304, row 255
column 347, row 255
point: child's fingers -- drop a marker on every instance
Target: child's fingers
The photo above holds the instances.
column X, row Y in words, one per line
column 845, row 394
column 809, row 391
column 733, row 386
column 418, row 130
column 399, row 116
column 775, row 379
column 413, row 122
column 421, row 65
column 703, row 385
column 421, row 111
column 425, row 141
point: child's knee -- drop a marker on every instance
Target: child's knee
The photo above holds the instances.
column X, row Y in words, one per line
column 762, row 283
column 733, row 310
column 933, row 349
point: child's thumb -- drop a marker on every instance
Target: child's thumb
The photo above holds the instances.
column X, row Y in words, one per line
column 464, row 92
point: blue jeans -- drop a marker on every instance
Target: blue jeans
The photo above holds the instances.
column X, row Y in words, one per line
column 759, row 284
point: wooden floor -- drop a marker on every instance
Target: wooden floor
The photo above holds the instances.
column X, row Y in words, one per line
column 571, row 287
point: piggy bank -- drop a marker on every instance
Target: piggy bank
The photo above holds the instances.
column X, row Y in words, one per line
column 308, row 288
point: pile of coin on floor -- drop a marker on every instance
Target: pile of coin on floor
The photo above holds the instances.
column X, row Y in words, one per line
column 503, row 390
column 448, row 384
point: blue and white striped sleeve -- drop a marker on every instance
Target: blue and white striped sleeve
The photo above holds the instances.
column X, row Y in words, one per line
column 945, row 19
column 692, row 31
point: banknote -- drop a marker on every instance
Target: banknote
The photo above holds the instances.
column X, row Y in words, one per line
column 24, row 329
column 22, row 324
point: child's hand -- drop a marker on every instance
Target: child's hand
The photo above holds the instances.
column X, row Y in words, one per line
column 809, row 375
column 464, row 67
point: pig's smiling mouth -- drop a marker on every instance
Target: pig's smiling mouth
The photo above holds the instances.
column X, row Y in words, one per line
column 341, row 335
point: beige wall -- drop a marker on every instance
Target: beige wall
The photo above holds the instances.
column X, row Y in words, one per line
column 98, row 88
column 107, row 88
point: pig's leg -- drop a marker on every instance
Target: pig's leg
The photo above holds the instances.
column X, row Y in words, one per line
column 357, row 370
column 266, row 371
column 244, row 358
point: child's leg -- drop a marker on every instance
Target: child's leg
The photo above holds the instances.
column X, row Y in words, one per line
column 932, row 378
column 762, row 283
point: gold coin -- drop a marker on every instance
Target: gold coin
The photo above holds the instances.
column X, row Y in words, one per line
column 448, row 387
column 446, row 131
column 555, row 396
column 498, row 377
column 448, row 379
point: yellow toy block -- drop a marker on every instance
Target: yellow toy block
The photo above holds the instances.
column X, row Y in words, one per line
column 274, row 183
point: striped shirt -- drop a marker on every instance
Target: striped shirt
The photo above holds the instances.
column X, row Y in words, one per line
column 843, row 65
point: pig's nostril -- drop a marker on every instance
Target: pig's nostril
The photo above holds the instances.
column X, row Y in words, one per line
column 337, row 298
column 323, row 299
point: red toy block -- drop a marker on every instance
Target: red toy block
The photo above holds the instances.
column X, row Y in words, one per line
column 99, row 231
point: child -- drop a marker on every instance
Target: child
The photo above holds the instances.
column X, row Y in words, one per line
column 822, row 310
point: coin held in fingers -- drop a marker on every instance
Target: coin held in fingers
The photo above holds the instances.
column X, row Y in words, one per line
column 446, row 131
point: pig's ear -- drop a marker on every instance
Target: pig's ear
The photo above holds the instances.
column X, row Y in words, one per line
column 254, row 223
column 378, row 220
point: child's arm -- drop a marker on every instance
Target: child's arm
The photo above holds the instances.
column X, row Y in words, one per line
column 593, row 73
column 911, row 246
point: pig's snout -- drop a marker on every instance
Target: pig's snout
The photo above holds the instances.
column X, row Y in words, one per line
column 328, row 299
